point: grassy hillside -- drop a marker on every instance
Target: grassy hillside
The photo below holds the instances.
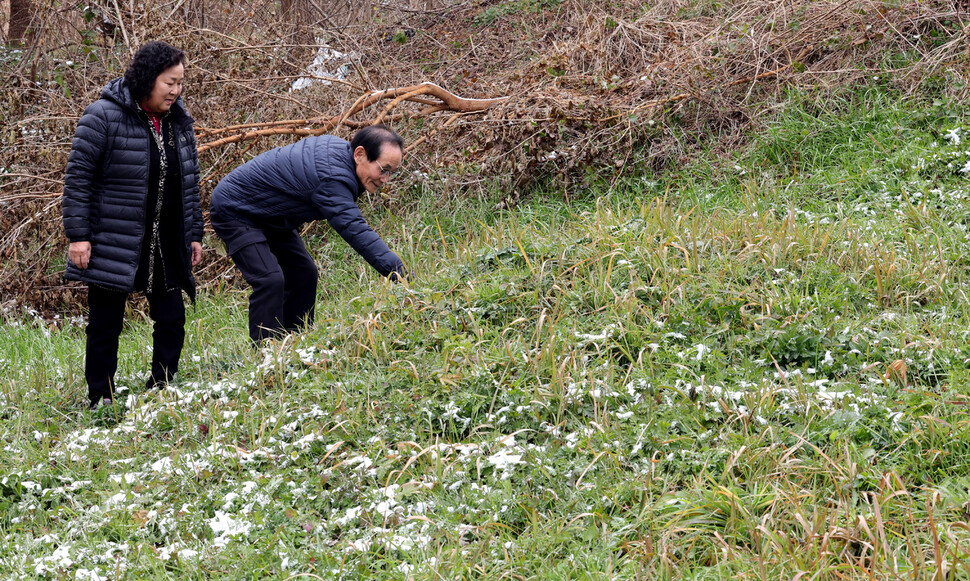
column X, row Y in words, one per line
column 752, row 367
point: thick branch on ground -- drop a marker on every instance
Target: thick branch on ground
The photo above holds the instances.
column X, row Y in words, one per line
column 446, row 101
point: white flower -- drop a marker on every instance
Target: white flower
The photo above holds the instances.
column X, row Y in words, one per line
column 226, row 528
column 85, row 575
column 701, row 350
column 503, row 459
column 350, row 516
column 386, row 508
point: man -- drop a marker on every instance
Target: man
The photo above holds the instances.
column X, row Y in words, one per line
column 257, row 208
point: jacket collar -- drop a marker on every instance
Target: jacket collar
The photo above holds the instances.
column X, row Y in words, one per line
column 353, row 169
column 360, row 187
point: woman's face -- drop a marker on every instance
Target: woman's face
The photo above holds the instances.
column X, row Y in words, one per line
column 168, row 87
column 374, row 174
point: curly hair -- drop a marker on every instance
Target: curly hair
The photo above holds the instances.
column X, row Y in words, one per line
column 149, row 61
column 373, row 137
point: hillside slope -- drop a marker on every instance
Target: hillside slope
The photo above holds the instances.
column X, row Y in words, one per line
column 756, row 368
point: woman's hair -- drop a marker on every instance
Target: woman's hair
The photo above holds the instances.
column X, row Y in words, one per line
column 149, row 62
column 373, row 137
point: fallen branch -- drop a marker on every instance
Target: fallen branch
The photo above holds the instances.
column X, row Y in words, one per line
column 443, row 100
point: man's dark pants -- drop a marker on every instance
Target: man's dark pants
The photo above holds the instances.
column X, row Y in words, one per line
column 275, row 262
column 106, row 317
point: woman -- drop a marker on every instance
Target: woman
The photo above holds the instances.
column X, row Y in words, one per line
column 132, row 212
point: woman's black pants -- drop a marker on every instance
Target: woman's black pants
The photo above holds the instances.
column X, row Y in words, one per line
column 106, row 314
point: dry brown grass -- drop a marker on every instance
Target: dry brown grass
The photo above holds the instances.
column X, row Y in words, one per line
column 591, row 87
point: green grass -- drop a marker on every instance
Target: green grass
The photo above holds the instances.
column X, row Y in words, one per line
column 684, row 377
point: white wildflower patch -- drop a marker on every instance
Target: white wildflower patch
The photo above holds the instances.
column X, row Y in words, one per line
column 596, row 390
column 504, row 461
column 361, row 464
column 227, row 528
column 700, row 350
column 177, row 550
column 585, row 339
column 349, row 517
column 76, row 445
column 314, row 355
column 89, row 575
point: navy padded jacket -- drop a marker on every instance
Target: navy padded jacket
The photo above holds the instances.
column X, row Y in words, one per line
column 312, row 179
column 106, row 187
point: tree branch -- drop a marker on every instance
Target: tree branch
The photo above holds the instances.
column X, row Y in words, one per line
column 443, row 100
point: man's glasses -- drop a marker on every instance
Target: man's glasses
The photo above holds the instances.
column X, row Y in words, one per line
column 386, row 172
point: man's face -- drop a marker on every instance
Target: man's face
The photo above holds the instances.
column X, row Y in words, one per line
column 374, row 174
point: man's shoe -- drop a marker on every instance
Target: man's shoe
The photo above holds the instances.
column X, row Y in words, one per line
column 103, row 402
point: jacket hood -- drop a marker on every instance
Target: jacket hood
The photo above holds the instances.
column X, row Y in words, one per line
column 117, row 91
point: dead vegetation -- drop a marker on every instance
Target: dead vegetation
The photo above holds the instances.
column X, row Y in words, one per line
column 494, row 98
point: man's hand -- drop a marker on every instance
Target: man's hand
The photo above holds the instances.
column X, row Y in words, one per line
column 79, row 253
column 196, row 253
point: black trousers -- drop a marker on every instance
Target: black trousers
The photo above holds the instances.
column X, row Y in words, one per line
column 283, row 275
column 106, row 314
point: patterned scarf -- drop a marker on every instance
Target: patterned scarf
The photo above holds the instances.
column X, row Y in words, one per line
column 155, row 122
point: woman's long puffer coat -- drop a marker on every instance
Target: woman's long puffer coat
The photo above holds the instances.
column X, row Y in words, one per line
column 106, row 188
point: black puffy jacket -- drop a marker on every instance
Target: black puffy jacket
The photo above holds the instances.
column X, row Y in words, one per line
column 312, row 179
column 106, row 187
